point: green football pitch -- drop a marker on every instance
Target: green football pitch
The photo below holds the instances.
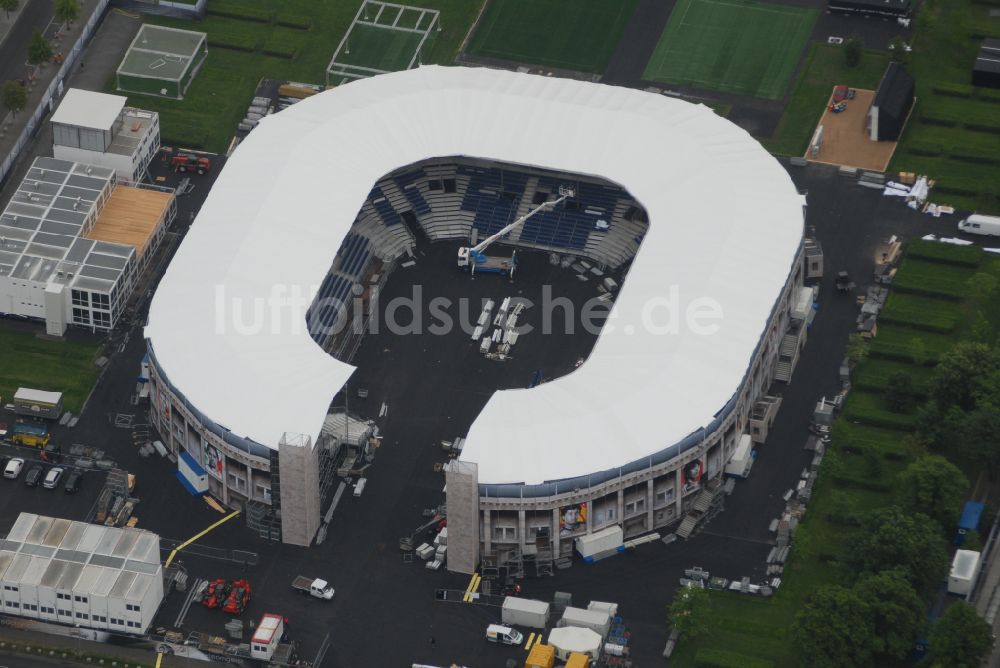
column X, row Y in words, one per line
column 569, row 34
column 380, row 48
column 737, row 46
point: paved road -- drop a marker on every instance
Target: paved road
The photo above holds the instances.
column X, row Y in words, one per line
column 35, row 14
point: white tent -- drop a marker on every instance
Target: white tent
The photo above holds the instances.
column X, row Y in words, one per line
column 570, row 639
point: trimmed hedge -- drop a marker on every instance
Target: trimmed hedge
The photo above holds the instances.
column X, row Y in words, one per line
column 233, row 42
column 988, row 95
column 935, row 251
column 954, row 90
column 975, row 154
column 869, row 484
column 238, row 12
column 278, row 47
column 294, row 21
column 926, row 148
column 715, row 657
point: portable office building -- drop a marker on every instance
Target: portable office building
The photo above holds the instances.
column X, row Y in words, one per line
column 80, row 574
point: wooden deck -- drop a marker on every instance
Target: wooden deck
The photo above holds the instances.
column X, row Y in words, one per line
column 130, row 217
column 845, row 137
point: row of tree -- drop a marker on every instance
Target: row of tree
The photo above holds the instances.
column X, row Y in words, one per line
column 901, row 551
column 15, row 96
column 66, row 11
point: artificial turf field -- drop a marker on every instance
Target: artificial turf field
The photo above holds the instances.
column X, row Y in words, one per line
column 569, row 34
column 379, row 48
column 737, row 46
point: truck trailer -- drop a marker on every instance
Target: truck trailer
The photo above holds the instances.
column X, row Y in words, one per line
column 525, row 612
column 38, row 403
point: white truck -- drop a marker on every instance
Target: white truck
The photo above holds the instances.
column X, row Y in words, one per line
column 977, row 223
column 525, row 612
column 313, row 586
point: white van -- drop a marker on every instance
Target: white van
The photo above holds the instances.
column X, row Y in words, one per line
column 504, row 634
column 980, row 224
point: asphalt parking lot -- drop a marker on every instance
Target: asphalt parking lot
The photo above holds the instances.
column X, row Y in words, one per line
column 433, row 387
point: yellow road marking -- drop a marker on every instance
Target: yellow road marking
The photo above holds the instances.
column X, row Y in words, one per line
column 159, row 657
column 473, row 587
column 531, row 639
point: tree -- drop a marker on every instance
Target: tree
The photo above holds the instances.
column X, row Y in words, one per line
column 959, row 639
column 966, row 374
column 896, row 612
column 39, row 50
column 935, row 487
column 15, row 97
column 980, row 436
column 834, row 630
column 900, row 393
column 892, row 539
column 67, row 10
column 898, row 50
column 8, row 6
column 689, row 612
column 852, row 52
column 857, row 348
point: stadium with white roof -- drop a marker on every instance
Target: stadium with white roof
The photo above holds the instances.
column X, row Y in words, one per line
column 636, row 438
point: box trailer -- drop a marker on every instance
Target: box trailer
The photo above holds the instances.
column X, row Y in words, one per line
column 979, row 224
column 742, row 459
column 192, row 474
column 541, row 656
column 964, row 568
column 525, row 612
column 605, row 540
column 969, row 521
column 598, row 621
column 38, row 403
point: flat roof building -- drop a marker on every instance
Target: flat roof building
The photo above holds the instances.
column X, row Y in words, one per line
column 98, row 129
column 81, row 574
column 72, row 242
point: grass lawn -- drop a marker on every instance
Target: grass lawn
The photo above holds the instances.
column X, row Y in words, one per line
column 55, row 366
column 275, row 39
column 954, row 125
column 569, row 34
column 738, row 46
column 824, row 69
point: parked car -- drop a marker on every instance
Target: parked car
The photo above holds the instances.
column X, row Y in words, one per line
column 33, row 475
column 73, row 482
column 52, row 477
column 505, row 635
column 13, row 468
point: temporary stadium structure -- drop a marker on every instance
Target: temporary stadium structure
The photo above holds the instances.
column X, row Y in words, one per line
column 726, row 225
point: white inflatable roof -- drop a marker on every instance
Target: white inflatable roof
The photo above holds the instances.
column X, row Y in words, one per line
column 725, row 224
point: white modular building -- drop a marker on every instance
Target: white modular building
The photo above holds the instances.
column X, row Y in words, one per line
column 98, row 129
column 73, row 242
column 86, row 575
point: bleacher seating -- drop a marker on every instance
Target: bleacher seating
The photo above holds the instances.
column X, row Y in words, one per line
column 407, row 182
column 493, row 196
column 353, row 256
column 331, row 301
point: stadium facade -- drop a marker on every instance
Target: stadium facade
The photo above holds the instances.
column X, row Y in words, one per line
column 691, row 200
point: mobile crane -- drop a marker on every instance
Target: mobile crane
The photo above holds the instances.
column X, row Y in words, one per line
column 473, row 259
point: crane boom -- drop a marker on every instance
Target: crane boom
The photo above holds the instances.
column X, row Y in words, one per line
column 485, row 243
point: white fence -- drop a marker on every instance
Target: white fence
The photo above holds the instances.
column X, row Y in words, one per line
column 53, row 91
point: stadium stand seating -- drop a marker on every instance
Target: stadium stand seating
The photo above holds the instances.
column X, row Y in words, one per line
column 461, row 198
